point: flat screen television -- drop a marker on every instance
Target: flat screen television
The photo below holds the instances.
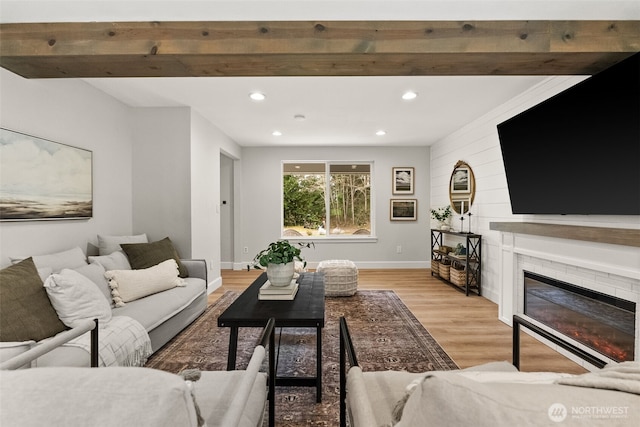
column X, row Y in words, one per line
column 578, row 152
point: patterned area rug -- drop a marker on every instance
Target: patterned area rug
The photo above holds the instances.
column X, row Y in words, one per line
column 386, row 336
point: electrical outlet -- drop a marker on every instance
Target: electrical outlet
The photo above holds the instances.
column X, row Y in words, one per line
column 398, row 249
column 245, row 250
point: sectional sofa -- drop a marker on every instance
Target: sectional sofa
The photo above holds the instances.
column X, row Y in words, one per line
column 133, row 287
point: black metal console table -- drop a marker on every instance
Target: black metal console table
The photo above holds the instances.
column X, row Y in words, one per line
column 470, row 281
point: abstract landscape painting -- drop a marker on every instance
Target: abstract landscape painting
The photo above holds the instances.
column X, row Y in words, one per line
column 41, row 179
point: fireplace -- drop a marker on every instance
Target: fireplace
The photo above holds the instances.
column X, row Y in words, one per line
column 603, row 323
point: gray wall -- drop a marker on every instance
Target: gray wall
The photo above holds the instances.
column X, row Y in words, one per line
column 207, row 145
column 74, row 113
column 161, row 175
column 261, row 206
column 155, row 170
column 177, row 181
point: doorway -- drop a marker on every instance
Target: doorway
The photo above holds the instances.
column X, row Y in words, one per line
column 226, row 212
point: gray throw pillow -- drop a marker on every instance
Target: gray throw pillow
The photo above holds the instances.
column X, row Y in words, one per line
column 110, row 244
column 26, row 312
column 145, row 255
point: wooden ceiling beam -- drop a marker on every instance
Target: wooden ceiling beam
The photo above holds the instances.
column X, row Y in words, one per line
column 304, row 48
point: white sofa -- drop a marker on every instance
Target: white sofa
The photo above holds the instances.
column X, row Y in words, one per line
column 161, row 314
column 486, row 395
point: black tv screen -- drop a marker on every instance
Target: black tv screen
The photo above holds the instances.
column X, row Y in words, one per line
column 579, row 151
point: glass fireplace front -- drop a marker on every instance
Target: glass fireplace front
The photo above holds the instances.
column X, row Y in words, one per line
column 602, row 322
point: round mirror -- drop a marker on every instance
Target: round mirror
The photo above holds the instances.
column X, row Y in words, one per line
column 462, row 187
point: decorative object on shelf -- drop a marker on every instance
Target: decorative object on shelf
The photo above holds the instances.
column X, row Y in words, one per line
column 403, row 209
column 442, row 215
column 403, row 179
column 43, row 180
column 462, row 188
column 269, row 291
column 280, row 275
column 465, row 270
column 462, row 223
column 279, row 260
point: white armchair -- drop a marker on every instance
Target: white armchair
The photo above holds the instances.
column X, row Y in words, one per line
column 117, row 396
column 487, row 395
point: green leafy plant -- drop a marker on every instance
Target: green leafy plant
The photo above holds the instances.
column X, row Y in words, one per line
column 441, row 214
column 280, row 252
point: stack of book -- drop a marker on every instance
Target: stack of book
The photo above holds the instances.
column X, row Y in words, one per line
column 270, row 292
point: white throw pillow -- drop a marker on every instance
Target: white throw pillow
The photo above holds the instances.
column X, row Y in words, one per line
column 130, row 285
column 114, row 261
column 110, row 244
column 76, row 298
column 9, row 350
column 71, row 258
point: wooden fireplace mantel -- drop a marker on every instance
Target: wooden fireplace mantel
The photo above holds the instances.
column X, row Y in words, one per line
column 614, row 236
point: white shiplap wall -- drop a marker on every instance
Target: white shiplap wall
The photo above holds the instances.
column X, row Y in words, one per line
column 478, row 144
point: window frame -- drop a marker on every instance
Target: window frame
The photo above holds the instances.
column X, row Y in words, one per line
column 327, row 170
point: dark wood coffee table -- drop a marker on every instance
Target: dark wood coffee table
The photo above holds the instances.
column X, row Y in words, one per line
column 305, row 311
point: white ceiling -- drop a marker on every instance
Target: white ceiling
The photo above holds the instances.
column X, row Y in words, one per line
column 300, row 10
column 337, row 110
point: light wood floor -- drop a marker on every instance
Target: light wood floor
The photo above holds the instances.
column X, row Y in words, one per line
column 466, row 327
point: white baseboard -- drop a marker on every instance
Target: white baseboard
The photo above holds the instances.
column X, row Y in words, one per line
column 240, row 266
column 213, row 285
column 360, row 264
column 363, row 265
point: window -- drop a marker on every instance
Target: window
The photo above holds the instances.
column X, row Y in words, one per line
column 326, row 199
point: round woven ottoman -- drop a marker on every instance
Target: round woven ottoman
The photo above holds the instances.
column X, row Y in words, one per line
column 340, row 277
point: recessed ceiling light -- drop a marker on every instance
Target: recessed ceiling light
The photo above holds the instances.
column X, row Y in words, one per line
column 257, row 96
column 381, row 132
column 276, row 133
column 409, row 95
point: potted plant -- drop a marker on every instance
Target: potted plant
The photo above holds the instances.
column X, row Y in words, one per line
column 279, row 260
column 442, row 215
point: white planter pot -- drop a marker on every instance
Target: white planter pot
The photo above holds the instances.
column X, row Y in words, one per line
column 280, row 274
